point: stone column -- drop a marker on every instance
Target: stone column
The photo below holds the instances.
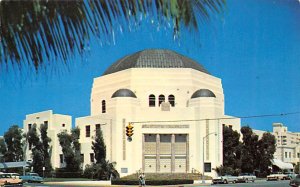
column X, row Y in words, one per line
column 111, row 140
column 172, row 153
column 157, row 153
column 187, row 153
column 143, row 152
column 207, row 140
column 124, row 138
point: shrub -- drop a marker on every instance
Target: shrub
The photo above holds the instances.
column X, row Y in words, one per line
column 101, row 171
column 63, row 173
column 152, row 182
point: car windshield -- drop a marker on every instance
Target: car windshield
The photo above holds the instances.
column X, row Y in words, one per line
column 5, row 176
column 298, row 176
column 34, row 174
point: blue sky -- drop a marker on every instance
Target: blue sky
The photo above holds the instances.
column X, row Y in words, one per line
column 254, row 47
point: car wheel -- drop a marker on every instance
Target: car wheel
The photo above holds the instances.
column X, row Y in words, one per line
column 225, row 182
column 246, row 181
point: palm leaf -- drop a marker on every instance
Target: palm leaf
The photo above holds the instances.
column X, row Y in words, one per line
column 36, row 31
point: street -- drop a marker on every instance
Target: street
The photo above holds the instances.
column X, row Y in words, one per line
column 259, row 183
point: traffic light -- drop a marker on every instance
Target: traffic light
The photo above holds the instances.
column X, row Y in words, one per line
column 129, row 131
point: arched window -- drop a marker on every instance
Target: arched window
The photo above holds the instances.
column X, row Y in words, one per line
column 151, row 100
column 161, row 99
column 171, row 99
column 103, row 106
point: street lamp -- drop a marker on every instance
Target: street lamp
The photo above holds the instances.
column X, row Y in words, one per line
column 203, row 181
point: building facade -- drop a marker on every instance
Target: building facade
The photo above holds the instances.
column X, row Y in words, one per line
column 56, row 124
column 287, row 144
column 175, row 106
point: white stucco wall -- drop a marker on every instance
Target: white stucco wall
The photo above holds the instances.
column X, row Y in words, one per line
column 55, row 126
column 187, row 117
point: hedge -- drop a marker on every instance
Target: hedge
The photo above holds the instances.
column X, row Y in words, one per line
column 152, row 182
column 63, row 173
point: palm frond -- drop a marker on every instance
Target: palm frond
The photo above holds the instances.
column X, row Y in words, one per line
column 36, row 31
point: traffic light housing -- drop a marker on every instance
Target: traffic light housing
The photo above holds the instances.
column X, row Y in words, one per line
column 129, row 131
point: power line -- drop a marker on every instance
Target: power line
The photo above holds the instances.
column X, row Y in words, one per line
column 223, row 118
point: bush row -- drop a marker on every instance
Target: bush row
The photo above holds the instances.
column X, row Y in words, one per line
column 63, row 173
column 152, row 182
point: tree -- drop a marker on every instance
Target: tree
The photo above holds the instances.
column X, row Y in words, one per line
column 266, row 150
column 71, row 149
column 45, row 140
column 13, row 139
column 99, row 148
column 35, row 31
column 231, row 147
column 231, row 150
column 75, row 134
column 102, row 169
column 3, row 149
column 36, row 147
column 249, row 150
column 297, row 168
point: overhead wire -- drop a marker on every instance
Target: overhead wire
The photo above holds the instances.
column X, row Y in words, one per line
column 221, row 118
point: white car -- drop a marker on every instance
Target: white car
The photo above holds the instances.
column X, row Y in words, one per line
column 277, row 176
column 246, row 177
column 225, row 179
column 10, row 179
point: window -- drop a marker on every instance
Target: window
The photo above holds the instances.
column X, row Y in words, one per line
column 298, row 154
column 207, row 167
column 63, row 125
column 97, row 127
column 161, row 99
column 92, row 158
column 150, row 137
column 290, row 154
column 285, row 154
column 151, row 100
column 103, row 106
column 29, row 126
column 171, row 99
column 180, row 138
column 82, row 158
column 88, row 131
column 45, row 122
column 61, row 158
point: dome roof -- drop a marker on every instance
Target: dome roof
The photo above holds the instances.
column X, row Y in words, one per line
column 123, row 93
column 154, row 58
column 203, row 93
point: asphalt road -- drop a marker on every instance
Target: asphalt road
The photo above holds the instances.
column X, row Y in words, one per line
column 258, row 183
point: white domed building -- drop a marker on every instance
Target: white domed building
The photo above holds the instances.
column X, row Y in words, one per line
column 176, row 108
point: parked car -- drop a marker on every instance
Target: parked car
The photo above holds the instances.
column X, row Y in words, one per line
column 246, row 177
column 10, row 179
column 32, row 177
column 295, row 182
column 290, row 175
column 277, row 176
column 225, row 179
